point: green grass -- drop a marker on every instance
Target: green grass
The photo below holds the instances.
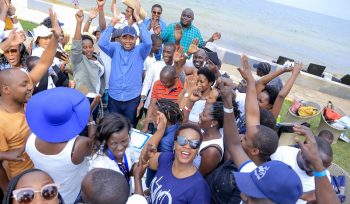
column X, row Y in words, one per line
column 341, row 150
column 27, row 25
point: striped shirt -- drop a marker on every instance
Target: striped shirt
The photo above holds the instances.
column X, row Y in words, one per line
column 160, row 91
column 188, row 35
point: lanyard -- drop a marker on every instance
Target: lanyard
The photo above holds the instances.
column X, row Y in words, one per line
column 124, row 167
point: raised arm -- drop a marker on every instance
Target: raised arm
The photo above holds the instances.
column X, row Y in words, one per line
column 144, row 34
column 149, row 153
column 252, row 111
column 104, row 41
column 14, row 38
column 76, row 50
column 214, row 37
column 324, row 191
column 101, row 14
column 231, row 135
column 49, row 54
column 276, row 108
column 114, row 9
column 3, row 13
column 260, row 85
column 92, row 15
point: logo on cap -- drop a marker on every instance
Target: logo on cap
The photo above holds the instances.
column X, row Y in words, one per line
column 261, row 171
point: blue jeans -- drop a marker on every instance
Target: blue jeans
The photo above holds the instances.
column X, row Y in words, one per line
column 126, row 108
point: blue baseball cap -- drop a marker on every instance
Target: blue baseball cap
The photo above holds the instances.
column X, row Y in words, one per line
column 57, row 115
column 129, row 30
column 273, row 180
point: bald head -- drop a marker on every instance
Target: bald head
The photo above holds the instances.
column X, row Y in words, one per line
column 168, row 76
column 187, row 17
column 9, row 76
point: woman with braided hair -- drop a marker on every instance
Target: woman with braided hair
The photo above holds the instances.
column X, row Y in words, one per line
column 174, row 118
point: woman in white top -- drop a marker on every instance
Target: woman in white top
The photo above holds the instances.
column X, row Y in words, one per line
column 111, row 146
column 197, row 99
column 56, row 116
column 212, row 148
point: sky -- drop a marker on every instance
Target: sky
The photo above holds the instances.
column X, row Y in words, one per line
column 335, row 8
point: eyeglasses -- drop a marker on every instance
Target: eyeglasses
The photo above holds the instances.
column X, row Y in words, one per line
column 11, row 51
column 182, row 141
column 156, row 13
column 26, row 195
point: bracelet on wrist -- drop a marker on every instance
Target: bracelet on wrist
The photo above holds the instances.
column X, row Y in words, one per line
column 143, row 160
column 188, row 109
column 12, row 16
column 228, row 110
column 100, row 8
column 319, row 173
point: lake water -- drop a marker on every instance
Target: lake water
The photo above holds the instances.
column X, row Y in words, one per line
column 264, row 29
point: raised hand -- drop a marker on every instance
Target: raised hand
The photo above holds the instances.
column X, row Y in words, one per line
column 93, row 13
column 12, row 10
column 195, row 95
column 178, row 53
column 56, row 29
column 101, row 3
column 5, row 5
column 161, row 121
column 308, row 147
column 16, row 38
column 156, row 29
column 193, row 47
column 216, row 36
column 139, row 169
column 246, row 70
column 114, row 21
column 225, row 86
column 297, row 68
column 79, row 16
column 191, row 83
column 178, row 32
column 213, row 95
column 137, row 10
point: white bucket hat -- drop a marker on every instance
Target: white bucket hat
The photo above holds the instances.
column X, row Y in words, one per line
column 41, row 31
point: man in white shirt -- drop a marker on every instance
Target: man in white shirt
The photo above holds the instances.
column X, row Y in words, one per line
column 293, row 157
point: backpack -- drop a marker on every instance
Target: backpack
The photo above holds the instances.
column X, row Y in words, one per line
column 222, row 184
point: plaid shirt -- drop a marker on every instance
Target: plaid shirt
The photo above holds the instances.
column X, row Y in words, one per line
column 188, row 35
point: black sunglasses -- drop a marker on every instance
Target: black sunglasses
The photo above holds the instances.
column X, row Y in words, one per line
column 182, row 141
column 155, row 12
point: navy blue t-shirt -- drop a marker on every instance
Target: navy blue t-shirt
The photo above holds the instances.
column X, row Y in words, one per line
column 167, row 189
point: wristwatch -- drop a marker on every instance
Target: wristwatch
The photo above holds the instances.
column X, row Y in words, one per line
column 13, row 16
column 143, row 99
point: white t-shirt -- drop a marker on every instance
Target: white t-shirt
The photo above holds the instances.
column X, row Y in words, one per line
column 240, row 98
column 288, row 155
column 148, row 62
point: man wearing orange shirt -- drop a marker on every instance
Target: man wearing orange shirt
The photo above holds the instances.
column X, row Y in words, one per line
column 168, row 87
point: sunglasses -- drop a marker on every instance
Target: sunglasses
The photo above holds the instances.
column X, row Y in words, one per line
column 11, row 51
column 26, row 195
column 182, row 141
column 155, row 12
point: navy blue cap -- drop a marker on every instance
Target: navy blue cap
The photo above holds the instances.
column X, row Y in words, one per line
column 273, row 180
column 129, row 30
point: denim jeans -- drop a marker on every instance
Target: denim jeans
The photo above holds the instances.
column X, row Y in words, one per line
column 126, row 108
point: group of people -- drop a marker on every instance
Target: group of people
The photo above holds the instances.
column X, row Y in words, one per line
column 212, row 141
